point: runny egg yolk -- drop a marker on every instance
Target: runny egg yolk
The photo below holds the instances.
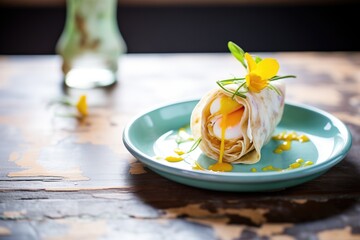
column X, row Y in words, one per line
column 230, row 113
column 224, row 105
column 226, row 127
column 231, row 125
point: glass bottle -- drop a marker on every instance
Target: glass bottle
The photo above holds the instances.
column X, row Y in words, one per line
column 90, row 44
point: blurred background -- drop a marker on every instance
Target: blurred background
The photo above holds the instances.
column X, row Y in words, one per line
column 169, row 26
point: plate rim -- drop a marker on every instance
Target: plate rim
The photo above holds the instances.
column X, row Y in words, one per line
column 240, row 177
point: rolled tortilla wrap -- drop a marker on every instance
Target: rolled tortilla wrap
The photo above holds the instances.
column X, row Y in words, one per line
column 261, row 112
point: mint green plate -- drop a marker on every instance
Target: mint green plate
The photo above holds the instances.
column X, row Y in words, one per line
column 151, row 136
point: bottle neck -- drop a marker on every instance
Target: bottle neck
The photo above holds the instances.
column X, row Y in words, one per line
column 91, row 11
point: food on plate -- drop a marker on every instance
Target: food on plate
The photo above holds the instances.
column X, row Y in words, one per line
column 236, row 119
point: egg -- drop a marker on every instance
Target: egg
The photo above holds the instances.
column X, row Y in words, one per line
column 215, row 106
column 232, row 125
column 230, row 113
column 224, row 105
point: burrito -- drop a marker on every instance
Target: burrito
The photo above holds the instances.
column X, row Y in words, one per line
column 235, row 120
column 242, row 125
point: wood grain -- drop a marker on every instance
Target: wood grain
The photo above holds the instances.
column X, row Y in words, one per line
column 61, row 178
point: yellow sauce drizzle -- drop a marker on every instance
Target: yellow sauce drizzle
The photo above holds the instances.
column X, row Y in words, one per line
column 287, row 138
column 300, row 163
column 253, row 170
column 177, row 157
column 308, row 163
column 294, row 165
column 183, row 136
column 221, row 167
column 174, row 158
column 178, row 151
column 303, row 138
column 227, row 105
column 285, row 146
column 300, row 160
column 197, row 166
column 270, row 168
column 297, row 164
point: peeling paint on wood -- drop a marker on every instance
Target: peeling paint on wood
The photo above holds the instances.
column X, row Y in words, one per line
column 191, row 210
column 4, row 231
column 14, row 215
column 221, row 229
column 274, row 230
column 344, row 233
column 6, row 69
column 137, row 168
column 336, row 66
column 74, row 189
column 28, row 159
column 255, row 215
column 349, row 118
column 102, row 127
column 299, row 201
column 38, row 171
column 81, row 229
column 69, row 179
column 118, row 196
column 197, row 211
column 14, row 156
column 225, row 231
column 312, row 96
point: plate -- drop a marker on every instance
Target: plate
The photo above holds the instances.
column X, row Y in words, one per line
column 150, row 135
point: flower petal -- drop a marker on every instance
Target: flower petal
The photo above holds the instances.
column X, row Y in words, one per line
column 255, row 83
column 250, row 62
column 82, row 106
column 267, row 68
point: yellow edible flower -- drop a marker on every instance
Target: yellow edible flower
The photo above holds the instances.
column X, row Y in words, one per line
column 259, row 73
column 82, row 106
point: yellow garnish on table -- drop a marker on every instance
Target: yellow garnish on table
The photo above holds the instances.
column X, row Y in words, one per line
column 260, row 73
column 82, row 106
column 65, row 107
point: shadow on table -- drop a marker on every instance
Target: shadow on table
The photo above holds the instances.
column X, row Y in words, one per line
column 334, row 193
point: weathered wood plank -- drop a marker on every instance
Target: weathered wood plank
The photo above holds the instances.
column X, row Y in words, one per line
column 63, row 178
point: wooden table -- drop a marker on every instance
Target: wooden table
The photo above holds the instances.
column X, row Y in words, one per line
column 61, row 178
